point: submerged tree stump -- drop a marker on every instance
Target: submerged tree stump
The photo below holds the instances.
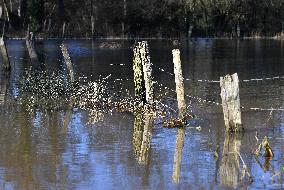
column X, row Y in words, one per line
column 67, row 61
column 4, row 53
column 231, row 102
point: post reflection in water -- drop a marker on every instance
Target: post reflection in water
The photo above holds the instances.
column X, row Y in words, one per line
column 4, row 82
column 142, row 136
column 230, row 171
column 178, row 154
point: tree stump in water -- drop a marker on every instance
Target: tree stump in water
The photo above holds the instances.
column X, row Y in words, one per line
column 67, row 61
column 4, row 53
column 231, row 102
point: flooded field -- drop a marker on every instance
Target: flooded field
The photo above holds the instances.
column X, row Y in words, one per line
column 67, row 147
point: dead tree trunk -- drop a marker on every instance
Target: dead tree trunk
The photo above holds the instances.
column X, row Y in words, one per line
column 62, row 16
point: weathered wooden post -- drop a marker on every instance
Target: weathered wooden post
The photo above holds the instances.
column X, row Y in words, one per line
column 142, row 68
column 67, row 61
column 182, row 112
column 4, row 53
column 147, row 70
column 231, row 102
column 138, row 74
column 179, row 83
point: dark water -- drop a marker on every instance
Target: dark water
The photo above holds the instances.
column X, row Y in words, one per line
column 62, row 150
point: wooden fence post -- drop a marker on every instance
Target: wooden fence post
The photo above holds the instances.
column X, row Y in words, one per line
column 179, row 82
column 182, row 112
column 231, row 102
column 67, row 61
column 138, row 74
column 4, row 53
column 147, row 70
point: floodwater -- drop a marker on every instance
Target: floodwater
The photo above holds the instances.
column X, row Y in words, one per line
column 62, row 149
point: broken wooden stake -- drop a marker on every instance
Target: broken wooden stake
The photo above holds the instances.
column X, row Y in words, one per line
column 142, row 73
column 67, row 61
column 4, row 54
column 231, row 102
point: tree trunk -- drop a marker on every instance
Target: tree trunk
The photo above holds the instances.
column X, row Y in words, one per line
column 30, row 43
column 62, row 16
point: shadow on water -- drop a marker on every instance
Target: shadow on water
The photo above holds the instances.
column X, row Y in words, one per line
column 68, row 148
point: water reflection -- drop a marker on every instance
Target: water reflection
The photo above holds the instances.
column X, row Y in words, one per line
column 142, row 135
column 4, row 82
column 178, row 154
column 58, row 150
column 230, row 171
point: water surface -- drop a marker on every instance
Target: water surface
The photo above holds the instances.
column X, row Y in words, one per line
column 61, row 149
